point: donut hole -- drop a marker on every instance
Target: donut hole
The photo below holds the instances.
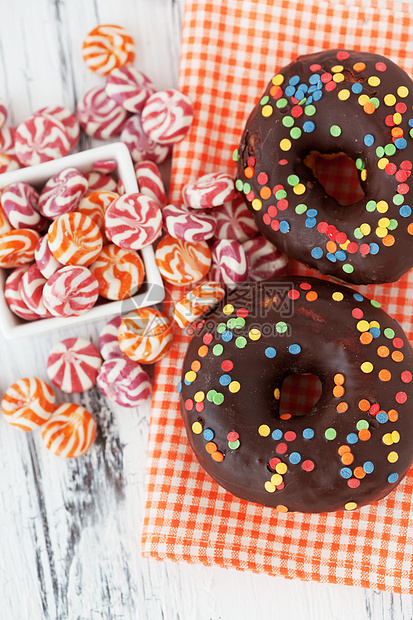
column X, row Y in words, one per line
column 337, row 174
column 298, row 395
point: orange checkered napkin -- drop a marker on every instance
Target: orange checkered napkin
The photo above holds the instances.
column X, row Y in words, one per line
column 230, row 49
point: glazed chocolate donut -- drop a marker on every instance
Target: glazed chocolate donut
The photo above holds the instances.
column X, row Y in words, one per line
column 352, row 448
column 331, row 103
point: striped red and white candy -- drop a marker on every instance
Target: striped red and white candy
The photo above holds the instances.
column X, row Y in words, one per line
column 198, row 301
column 20, row 201
column 71, row 291
column 130, row 88
column 73, row 365
column 5, row 225
column 182, row 262
column 107, row 47
column 70, row 432
column 140, row 146
column 75, row 239
column 31, row 291
column 40, row 138
column 68, row 119
column 99, row 115
column 3, row 113
column 62, row 193
column 97, row 181
column 234, row 221
column 210, row 190
column 13, row 297
column 182, row 223
column 119, row 272
column 124, row 381
column 150, row 181
column 167, row 116
column 105, row 166
column 28, row 403
column 8, row 140
column 265, row 261
column 17, row 247
column 145, row 335
column 45, row 261
column 229, row 263
column 8, row 163
column 94, row 205
column 108, row 339
column 120, row 188
column 133, row 221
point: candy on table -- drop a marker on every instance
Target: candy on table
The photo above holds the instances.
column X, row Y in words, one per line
column 234, row 221
column 68, row 119
column 229, row 263
column 3, row 113
column 8, row 140
column 124, row 381
column 70, row 432
column 73, row 365
column 105, row 166
column 107, row 47
column 264, row 260
column 31, row 290
column 75, row 239
column 119, row 272
column 108, row 339
column 40, row 138
column 99, row 115
column 28, row 403
column 20, row 201
column 13, row 297
column 145, row 335
column 182, row 223
column 210, row 190
column 120, row 188
column 98, row 181
column 62, row 193
column 150, row 181
column 198, row 301
column 140, row 146
column 182, row 262
column 71, row 291
column 133, row 221
column 167, row 116
column 5, row 225
column 95, row 204
column 45, row 261
column 8, row 163
column 17, row 247
column 129, row 87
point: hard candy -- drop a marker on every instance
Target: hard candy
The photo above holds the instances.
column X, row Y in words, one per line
column 229, row 263
column 124, row 381
column 107, row 47
column 264, row 260
column 99, row 115
column 71, row 291
column 145, row 335
column 5, row 225
column 17, row 247
column 108, row 339
column 46, row 262
column 98, row 181
column 8, row 163
column 133, row 221
column 197, row 302
column 70, row 432
column 68, row 120
column 129, row 87
column 20, row 202
column 150, row 181
column 62, row 193
column 105, row 166
column 182, row 223
column 75, row 239
column 28, row 403
column 31, row 290
column 210, row 190
column 119, row 272
column 94, row 205
column 167, row 116
column 40, row 138
column 13, row 296
column 73, row 365
column 140, row 146
column 182, row 262
column 234, row 221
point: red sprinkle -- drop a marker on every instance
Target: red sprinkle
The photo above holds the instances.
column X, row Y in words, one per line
column 251, row 161
column 353, row 483
column 398, row 343
column 293, row 294
column 297, row 111
column 272, row 211
column 200, row 407
column 315, row 67
column 352, row 247
column 189, row 404
column 402, row 175
column 342, row 55
column 308, row 465
column 283, row 162
column 403, row 188
column 227, row 365
column 282, row 204
column 406, row 165
column 389, row 121
column 326, row 77
column 277, row 188
column 401, row 397
column 330, row 86
column 262, row 178
column 406, row 376
column 289, row 436
column 332, row 232
column 381, row 66
column 274, row 462
column 281, row 448
column 305, row 286
column 401, row 107
column 232, row 436
column 266, row 219
column 341, row 238
column 374, row 409
column 207, row 338
column 275, row 225
column 357, row 313
column 243, row 312
column 322, row 227
column 391, row 169
column 250, row 196
column 364, row 249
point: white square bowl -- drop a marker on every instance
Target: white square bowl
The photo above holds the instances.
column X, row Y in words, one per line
column 150, row 293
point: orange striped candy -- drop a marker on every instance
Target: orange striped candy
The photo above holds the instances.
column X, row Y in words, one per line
column 182, row 262
column 70, row 432
column 107, row 47
column 75, row 239
column 94, row 205
column 17, row 247
column 28, row 403
column 5, row 225
column 145, row 335
column 119, row 272
column 198, row 301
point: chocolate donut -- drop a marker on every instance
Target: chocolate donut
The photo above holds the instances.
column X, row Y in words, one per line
column 331, row 103
column 352, row 448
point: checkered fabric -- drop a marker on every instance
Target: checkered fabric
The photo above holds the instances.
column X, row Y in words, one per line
column 230, row 49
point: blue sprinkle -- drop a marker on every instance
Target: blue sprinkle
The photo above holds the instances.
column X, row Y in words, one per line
column 317, row 95
column 295, row 349
column 295, row 457
column 310, row 222
column 352, row 438
column 290, row 91
column 312, row 89
column 374, row 248
column 382, row 417
column 346, row 472
column 331, row 257
column 357, row 88
column 405, row 211
column 300, row 94
column 179, row 387
column 411, row 122
column 308, row 433
column 225, row 379
column 368, row 139
column 317, row 253
column 312, row 213
column 375, row 332
column 308, row 126
column 284, row 226
column 358, row 297
column 368, row 467
column 340, row 255
column 187, row 382
column 227, row 335
column 400, row 143
column 277, row 434
column 303, row 87
column 309, row 100
column 393, row 478
column 294, row 80
column 270, row 352
column 315, row 79
column 208, row 434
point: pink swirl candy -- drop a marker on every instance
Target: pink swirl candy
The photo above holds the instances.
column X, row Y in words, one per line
column 100, row 182
column 99, row 115
column 73, row 365
column 182, row 223
column 62, row 193
column 210, row 190
column 234, row 221
column 45, row 260
column 105, row 166
column 167, row 116
column 133, row 221
column 129, row 87
column 140, row 146
column 40, row 138
column 31, row 291
column 13, row 297
column 8, row 141
column 265, row 261
column 229, row 263
column 124, row 381
column 108, row 339
column 68, row 119
column 71, row 291
column 150, row 181
column 20, row 202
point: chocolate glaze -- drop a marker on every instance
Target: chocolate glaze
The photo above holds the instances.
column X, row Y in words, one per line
column 367, row 115
column 325, row 323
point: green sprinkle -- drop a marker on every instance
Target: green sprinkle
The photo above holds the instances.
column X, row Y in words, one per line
column 235, row 155
column 234, row 444
column 359, row 163
column 231, row 322
column 239, row 185
column 288, row 121
column 379, row 151
column 281, row 193
column 375, row 304
column 362, row 424
column 281, row 327
column 358, row 234
column 241, row 342
column 218, row 349
column 310, row 110
column 398, row 200
column 389, row 150
column 295, row 133
column 389, row 333
column 281, row 103
column 330, row 433
column 371, row 206
column 210, row 395
column 239, row 322
column 218, row 398
column 221, row 327
column 293, row 180
column 264, row 100
column 335, row 131
column 301, row 208
column 246, row 188
column 348, row 268
column 375, row 102
column 411, row 133
column 393, row 225
column 302, row 102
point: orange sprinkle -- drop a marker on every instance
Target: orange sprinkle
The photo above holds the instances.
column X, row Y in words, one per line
column 393, row 415
column 385, row 375
column 359, row 472
column 339, row 379
column 281, row 508
column 249, row 172
column 388, row 241
column 347, row 458
column 342, row 407
column 285, row 416
column 211, row 447
column 369, row 107
column 364, row 434
column 202, row 351
column 331, row 247
column 338, row 391
column 364, row 404
column 344, row 450
column 397, row 356
column 274, row 90
column 265, row 192
column 311, row 296
column 383, row 351
column 410, row 229
column 217, row 456
column 196, row 365
column 397, row 132
column 359, row 66
column 366, row 338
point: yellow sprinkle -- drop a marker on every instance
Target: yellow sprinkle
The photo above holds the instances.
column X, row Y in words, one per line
column 199, row 397
column 387, row 439
column 269, row 487
column 277, row 393
column 264, row 430
column 254, row 334
column 374, row 80
column 267, row 110
column 228, row 309
column 278, row 79
column 256, row 204
column 365, row 229
column 402, row 91
column 366, row 367
column 384, row 222
column 337, row 69
column 381, row 232
column 337, row 296
column 395, row 436
column 363, row 326
column 363, row 174
column 190, row 376
column 197, row 428
column 344, row 94
column 299, row 189
column 350, row 506
column 397, row 118
column 338, row 77
column 382, row 163
column 389, row 100
column 344, row 245
column 234, row 387
column 392, row 457
column 363, row 99
column 382, row 206
column 276, row 479
column 374, row 324
column 285, row 144
column 281, row 468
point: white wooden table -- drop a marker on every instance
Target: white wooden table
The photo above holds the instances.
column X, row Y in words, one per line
column 70, row 530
